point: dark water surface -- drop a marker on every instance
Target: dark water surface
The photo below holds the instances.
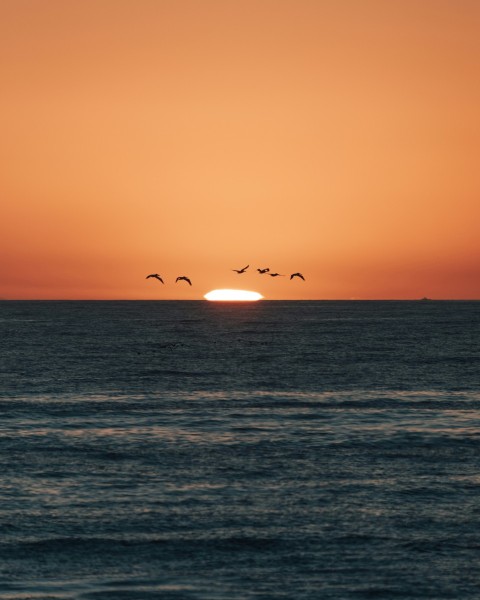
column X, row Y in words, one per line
column 195, row 450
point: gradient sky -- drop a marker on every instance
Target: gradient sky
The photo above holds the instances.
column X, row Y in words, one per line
column 339, row 138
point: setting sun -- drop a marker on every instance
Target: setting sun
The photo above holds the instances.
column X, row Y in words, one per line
column 233, row 295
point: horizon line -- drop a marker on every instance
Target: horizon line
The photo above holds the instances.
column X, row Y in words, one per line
column 425, row 299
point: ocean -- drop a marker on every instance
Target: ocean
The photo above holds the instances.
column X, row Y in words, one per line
column 239, row 451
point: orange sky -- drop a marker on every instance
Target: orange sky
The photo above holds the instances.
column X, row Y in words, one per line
column 333, row 137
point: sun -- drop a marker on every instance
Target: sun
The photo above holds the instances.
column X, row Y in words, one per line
column 233, row 296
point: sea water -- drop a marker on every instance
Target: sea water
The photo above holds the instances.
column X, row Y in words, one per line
column 195, row 450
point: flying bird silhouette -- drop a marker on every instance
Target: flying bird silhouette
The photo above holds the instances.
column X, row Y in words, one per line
column 297, row 275
column 183, row 278
column 156, row 275
column 262, row 271
column 276, row 275
column 239, row 271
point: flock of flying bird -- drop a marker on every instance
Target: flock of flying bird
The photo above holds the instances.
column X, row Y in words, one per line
column 239, row 271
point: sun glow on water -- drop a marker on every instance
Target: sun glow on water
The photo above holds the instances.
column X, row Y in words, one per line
column 233, row 296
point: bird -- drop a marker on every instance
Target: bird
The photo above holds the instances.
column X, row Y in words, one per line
column 262, row 271
column 184, row 279
column 297, row 275
column 156, row 275
column 276, row 275
column 239, row 271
